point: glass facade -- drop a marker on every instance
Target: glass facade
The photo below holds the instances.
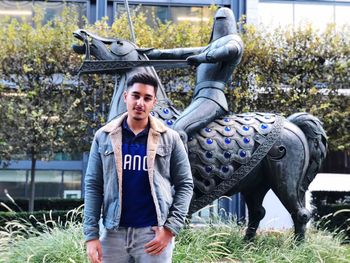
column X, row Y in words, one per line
column 168, row 13
column 48, row 183
column 20, row 10
column 283, row 13
column 14, row 181
column 23, row 11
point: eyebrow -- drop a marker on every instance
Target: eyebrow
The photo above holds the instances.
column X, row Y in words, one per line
column 138, row 93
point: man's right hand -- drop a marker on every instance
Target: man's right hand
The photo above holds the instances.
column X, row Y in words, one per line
column 94, row 251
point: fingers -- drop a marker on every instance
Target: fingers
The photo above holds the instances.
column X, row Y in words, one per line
column 151, row 243
column 155, row 247
column 192, row 60
column 192, row 63
column 99, row 251
column 95, row 258
column 159, row 243
column 94, row 251
column 155, row 250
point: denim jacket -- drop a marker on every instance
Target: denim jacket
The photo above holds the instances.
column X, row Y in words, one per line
column 168, row 170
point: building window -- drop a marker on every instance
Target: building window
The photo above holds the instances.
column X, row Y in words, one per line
column 20, row 10
column 53, row 9
column 23, row 10
column 72, row 184
column 191, row 14
column 14, row 181
column 282, row 13
column 167, row 13
column 48, row 183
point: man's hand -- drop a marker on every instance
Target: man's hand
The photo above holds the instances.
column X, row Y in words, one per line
column 160, row 242
column 94, row 251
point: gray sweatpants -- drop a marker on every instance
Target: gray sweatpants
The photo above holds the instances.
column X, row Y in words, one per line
column 126, row 245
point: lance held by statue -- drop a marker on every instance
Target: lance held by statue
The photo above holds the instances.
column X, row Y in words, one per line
column 215, row 64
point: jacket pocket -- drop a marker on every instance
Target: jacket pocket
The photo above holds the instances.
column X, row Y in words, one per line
column 163, row 150
column 105, row 150
column 107, row 157
column 162, row 160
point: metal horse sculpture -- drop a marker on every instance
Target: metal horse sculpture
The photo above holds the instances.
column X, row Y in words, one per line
column 248, row 153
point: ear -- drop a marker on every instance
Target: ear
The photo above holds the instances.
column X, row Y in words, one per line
column 124, row 95
column 155, row 102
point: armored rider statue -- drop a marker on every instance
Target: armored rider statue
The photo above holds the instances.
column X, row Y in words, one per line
column 216, row 63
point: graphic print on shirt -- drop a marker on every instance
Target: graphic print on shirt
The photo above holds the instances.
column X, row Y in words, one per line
column 135, row 163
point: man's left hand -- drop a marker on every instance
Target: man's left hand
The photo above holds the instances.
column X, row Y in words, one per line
column 160, row 241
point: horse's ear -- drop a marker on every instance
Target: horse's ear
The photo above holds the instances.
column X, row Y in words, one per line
column 144, row 50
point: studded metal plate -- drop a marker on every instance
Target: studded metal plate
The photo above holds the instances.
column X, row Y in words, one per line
column 225, row 151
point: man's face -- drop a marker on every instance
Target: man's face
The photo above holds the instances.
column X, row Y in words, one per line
column 140, row 100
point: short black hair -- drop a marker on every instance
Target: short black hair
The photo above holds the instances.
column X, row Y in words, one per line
column 143, row 78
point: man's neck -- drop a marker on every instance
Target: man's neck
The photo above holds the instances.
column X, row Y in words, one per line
column 137, row 126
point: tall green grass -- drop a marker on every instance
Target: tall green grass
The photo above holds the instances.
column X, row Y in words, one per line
column 57, row 243
column 47, row 241
column 223, row 243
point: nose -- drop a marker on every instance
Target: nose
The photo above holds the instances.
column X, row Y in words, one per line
column 140, row 101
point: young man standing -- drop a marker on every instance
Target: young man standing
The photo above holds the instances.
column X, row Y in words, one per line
column 139, row 174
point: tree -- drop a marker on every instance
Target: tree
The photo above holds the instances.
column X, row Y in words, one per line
column 42, row 113
column 286, row 71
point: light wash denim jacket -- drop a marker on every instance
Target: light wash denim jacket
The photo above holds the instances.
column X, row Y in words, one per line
column 168, row 170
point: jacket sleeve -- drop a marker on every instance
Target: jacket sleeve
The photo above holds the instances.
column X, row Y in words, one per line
column 181, row 178
column 93, row 196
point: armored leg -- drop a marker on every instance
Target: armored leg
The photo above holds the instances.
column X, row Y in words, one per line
column 201, row 112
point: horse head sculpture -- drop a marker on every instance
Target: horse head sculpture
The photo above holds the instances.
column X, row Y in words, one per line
column 249, row 153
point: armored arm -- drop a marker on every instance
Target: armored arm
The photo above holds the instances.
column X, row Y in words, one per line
column 175, row 53
column 230, row 51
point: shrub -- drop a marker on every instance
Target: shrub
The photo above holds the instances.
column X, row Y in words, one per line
column 43, row 204
column 36, row 218
column 287, row 70
column 48, row 241
column 332, row 212
column 20, row 242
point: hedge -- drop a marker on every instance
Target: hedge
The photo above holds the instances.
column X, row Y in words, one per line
column 286, row 70
column 38, row 218
column 332, row 216
column 43, row 204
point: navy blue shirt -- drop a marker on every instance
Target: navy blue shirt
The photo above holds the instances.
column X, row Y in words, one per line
column 138, row 208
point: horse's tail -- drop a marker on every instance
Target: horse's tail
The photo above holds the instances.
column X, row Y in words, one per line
column 317, row 141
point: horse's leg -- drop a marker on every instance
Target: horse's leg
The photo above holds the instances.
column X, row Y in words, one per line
column 254, row 198
column 287, row 162
column 300, row 215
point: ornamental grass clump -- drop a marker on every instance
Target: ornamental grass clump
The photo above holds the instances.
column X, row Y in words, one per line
column 55, row 242
column 224, row 243
column 49, row 241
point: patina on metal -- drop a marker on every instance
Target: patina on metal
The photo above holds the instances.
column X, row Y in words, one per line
column 215, row 64
column 249, row 153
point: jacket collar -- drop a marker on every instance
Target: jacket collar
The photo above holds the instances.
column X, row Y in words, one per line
column 113, row 125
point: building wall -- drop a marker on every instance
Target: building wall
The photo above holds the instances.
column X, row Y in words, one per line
column 96, row 9
column 272, row 13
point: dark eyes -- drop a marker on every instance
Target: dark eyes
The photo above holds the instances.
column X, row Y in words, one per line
column 135, row 96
